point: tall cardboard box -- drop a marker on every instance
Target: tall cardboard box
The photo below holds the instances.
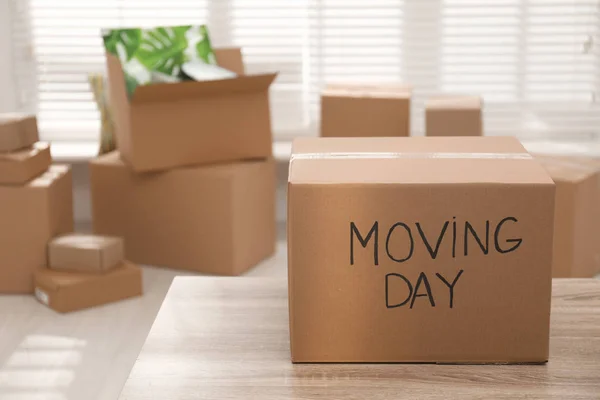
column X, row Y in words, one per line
column 170, row 125
column 217, row 219
column 454, row 116
column 31, row 215
column 365, row 111
column 419, row 250
column 576, row 216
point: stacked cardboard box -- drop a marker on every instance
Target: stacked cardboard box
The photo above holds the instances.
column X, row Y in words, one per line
column 86, row 271
column 36, row 202
column 193, row 184
column 576, row 215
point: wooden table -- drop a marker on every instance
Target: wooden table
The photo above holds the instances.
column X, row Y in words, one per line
column 227, row 338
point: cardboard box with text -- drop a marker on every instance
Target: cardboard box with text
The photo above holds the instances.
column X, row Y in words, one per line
column 365, row 110
column 85, row 253
column 576, row 216
column 72, row 291
column 20, row 166
column 454, row 116
column 31, row 215
column 419, row 250
column 217, row 219
column 168, row 125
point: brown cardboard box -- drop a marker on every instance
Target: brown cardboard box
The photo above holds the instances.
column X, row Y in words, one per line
column 175, row 124
column 17, row 131
column 217, row 219
column 365, row 110
column 21, row 166
column 31, row 215
column 576, row 216
column 433, row 250
column 73, row 291
column 454, row 116
column 85, row 253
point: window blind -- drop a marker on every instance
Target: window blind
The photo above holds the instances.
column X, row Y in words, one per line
column 535, row 62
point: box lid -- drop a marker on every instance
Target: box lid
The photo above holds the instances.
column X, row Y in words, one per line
column 414, row 160
column 568, row 169
column 454, row 102
column 392, row 90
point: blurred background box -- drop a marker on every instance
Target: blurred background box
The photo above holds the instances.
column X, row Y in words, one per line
column 17, row 131
column 72, row 291
column 176, row 124
column 355, row 110
column 31, row 215
column 453, row 116
column 577, row 215
column 217, row 219
column 20, row 166
column 85, row 253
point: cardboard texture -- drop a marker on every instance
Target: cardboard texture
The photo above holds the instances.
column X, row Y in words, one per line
column 419, row 250
column 31, row 215
column 176, row 124
column 17, row 131
column 21, row 166
column 365, row 110
column 72, row 291
column 453, row 116
column 576, row 216
column 217, row 219
column 85, row 253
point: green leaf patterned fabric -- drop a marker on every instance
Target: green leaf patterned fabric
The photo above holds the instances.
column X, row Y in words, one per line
column 150, row 53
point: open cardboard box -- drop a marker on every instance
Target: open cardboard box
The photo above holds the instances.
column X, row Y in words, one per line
column 168, row 125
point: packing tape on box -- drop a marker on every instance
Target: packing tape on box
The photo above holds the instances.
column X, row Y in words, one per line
column 406, row 156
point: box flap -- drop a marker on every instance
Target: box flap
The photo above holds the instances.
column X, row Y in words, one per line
column 454, row 102
column 231, row 59
column 414, row 160
column 165, row 92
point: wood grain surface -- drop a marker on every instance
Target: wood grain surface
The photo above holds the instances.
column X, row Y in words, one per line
column 227, row 338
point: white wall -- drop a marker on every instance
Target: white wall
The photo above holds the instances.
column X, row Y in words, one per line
column 8, row 99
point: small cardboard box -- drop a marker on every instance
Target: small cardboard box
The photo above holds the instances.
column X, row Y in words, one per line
column 21, row 166
column 365, row 110
column 419, row 250
column 217, row 219
column 576, row 216
column 72, row 291
column 85, row 253
column 17, row 131
column 168, row 125
column 31, row 215
column 454, row 116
